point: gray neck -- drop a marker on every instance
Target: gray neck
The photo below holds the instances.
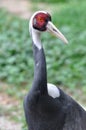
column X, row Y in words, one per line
column 40, row 73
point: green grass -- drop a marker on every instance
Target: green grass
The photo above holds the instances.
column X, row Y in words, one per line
column 50, row 1
column 69, row 61
column 54, row 1
column 15, row 49
column 66, row 64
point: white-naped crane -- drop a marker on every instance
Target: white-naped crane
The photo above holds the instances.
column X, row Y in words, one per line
column 46, row 106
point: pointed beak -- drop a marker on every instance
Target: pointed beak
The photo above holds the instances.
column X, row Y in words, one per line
column 51, row 28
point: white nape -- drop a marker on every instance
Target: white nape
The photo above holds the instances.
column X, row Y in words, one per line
column 53, row 91
column 36, row 38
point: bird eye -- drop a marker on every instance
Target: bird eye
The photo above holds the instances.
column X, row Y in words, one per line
column 40, row 19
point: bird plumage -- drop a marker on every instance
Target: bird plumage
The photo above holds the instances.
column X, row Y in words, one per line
column 46, row 106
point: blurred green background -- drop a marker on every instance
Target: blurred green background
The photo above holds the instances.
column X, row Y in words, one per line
column 66, row 64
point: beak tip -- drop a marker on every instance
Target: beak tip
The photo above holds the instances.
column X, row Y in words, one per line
column 51, row 28
column 66, row 42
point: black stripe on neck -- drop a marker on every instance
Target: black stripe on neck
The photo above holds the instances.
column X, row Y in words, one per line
column 40, row 73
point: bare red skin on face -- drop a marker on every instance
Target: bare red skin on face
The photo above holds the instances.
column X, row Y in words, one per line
column 40, row 21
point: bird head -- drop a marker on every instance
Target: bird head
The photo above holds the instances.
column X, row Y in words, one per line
column 41, row 21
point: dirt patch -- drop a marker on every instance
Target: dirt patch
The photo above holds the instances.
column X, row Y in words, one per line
column 21, row 8
column 7, row 104
column 7, row 100
column 8, row 125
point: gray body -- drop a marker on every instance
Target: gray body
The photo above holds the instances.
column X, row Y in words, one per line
column 42, row 111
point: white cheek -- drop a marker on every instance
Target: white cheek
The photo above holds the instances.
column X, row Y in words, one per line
column 53, row 91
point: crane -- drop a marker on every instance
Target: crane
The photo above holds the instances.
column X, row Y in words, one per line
column 46, row 106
